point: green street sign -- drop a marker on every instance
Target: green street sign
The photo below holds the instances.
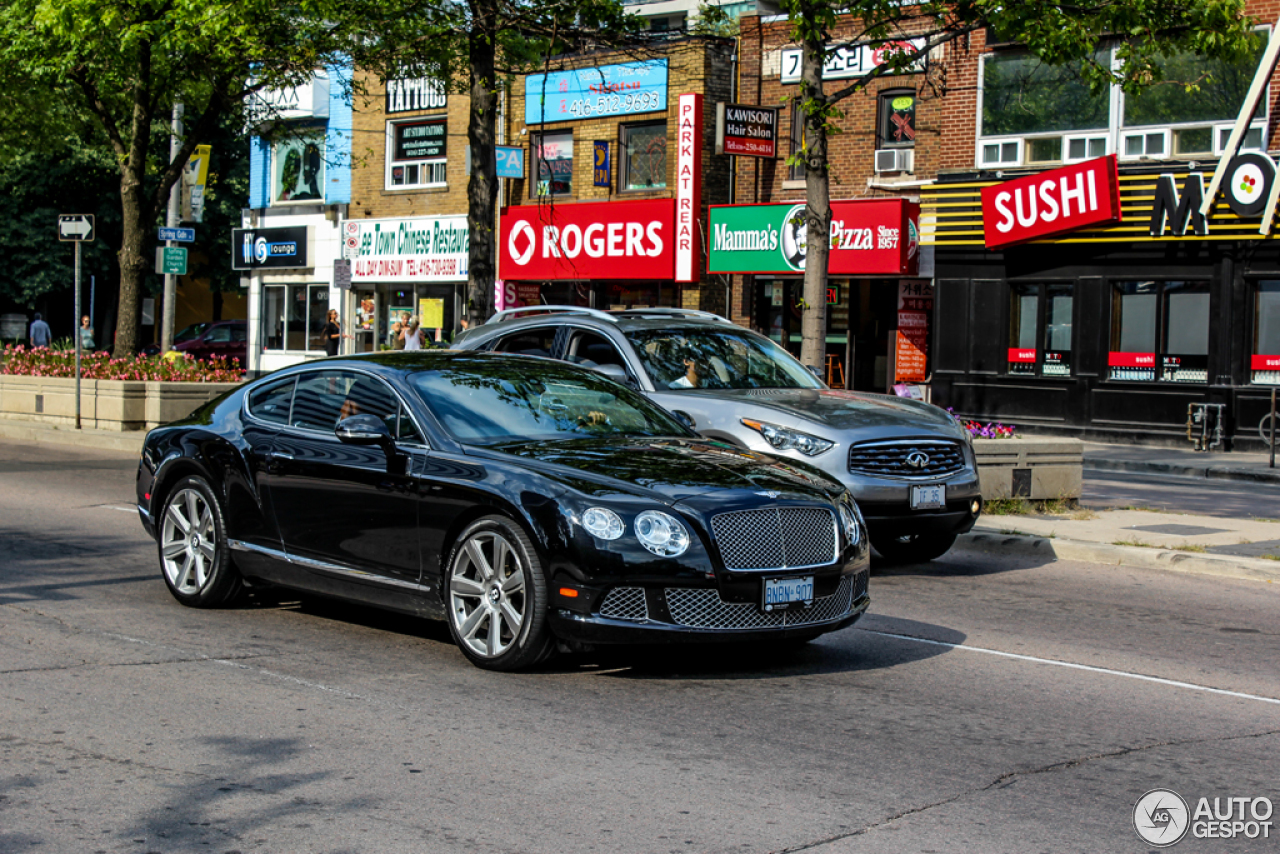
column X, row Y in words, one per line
column 171, row 260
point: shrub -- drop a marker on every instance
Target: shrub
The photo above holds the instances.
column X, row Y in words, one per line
column 44, row 362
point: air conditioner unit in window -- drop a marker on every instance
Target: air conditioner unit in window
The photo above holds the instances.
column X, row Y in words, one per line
column 895, row 160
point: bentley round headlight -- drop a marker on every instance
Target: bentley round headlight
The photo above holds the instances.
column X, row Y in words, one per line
column 603, row 523
column 852, row 531
column 661, row 534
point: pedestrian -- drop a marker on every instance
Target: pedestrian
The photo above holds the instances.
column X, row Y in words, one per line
column 332, row 333
column 86, row 334
column 41, row 335
column 395, row 340
column 412, row 335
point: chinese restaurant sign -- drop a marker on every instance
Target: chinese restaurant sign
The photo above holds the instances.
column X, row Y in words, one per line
column 421, row 249
column 868, row 237
column 617, row 240
column 1051, row 203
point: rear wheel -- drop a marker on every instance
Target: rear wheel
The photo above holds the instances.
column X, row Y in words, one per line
column 194, row 555
column 496, row 595
column 913, row 548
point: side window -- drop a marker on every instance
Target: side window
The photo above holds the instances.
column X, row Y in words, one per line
column 219, row 335
column 239, row 333
column 592, row 350
column 405, row 431
column 529, row 342
column 271, row 402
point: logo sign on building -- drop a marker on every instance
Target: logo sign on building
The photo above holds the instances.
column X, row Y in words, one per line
column 617, row 240
column 1051, row 203
column 420, row 140
column 624, row 89
column 308, row 101
column 746, row 131
column 415, row 93
column 854, row 60
column 688, row 186
column 600, row 162
column 416, row 249
column 510, row 161
column 271, row 248
column 869, row 237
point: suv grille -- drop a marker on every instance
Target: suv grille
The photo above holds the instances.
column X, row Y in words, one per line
column 702, row 608
column 898, row 458
column 776, row 538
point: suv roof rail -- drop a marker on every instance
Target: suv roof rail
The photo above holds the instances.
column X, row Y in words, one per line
column 677, row 312
column 513, row 313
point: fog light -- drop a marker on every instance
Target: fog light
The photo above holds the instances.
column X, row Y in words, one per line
column 975, row 506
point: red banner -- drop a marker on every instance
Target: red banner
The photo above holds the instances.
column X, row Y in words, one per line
column 874, row 236
column 613, row 240
column 1016, row 355
column 1051, row 203
column 1131, row 360
column 1266, row 363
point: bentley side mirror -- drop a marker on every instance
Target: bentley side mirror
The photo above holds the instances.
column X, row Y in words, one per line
column 363, row 430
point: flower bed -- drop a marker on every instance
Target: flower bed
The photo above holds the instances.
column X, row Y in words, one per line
column 43, row 362
column 990, row 430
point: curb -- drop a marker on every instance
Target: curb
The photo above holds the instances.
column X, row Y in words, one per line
column 1225, row 566
column 1203, row 472
column 130, row 442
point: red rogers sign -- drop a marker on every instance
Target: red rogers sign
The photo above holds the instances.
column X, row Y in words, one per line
column 612, row 240
column 1051, row 203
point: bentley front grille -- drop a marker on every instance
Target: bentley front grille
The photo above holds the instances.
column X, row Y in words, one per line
column 625, row 603
column 702, row 608
column 776, row 538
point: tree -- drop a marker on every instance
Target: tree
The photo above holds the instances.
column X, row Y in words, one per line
column 474, row 46
column 122, row 65
column 1058, row 34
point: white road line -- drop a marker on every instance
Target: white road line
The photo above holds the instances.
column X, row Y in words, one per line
column 1074, row 666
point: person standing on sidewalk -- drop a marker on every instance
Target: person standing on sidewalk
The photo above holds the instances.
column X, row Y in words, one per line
column 332, row 333
column 86, row 334
column 41, row 335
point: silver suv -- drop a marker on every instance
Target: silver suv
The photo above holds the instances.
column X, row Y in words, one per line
column 910, row 465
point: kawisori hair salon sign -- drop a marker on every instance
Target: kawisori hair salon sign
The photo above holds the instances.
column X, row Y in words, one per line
column 1051, row 203
column 609, row 240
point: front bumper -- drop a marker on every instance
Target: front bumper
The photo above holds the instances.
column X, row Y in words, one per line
column 698, row 614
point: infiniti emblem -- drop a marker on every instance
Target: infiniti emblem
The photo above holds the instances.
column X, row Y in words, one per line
column 917, row 459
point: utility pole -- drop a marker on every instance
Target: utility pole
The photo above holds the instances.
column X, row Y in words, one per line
column 173, row 221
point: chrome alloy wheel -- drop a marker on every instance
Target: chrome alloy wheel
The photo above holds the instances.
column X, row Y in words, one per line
column 487, row 600
column 188, row 541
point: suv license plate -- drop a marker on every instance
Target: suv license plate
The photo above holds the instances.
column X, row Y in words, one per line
column 780, row 593
column 928, row 497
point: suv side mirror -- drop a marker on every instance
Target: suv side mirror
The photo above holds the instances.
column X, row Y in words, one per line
column 617, row 373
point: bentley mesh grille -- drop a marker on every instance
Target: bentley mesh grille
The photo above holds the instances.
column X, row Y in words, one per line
column 776, row 537
column 906, row 459
column 702, row 608
column 625, row 603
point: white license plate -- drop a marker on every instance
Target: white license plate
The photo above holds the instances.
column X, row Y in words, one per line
column 784, row 592
column 928, row 497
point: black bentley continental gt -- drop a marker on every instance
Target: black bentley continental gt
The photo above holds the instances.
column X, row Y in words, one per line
column 531, row 504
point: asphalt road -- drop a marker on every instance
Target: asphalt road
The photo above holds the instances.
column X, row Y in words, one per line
column 984, row 705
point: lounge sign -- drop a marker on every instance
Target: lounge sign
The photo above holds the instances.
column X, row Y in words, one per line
column 616, row 240
column 869, row 237
column 1051, row 203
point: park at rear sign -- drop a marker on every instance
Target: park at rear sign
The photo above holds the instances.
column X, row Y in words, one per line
column 1051, row 203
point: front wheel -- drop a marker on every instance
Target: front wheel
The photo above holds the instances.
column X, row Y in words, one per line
column 496, row 595
column 193, row 547
column 913, row 548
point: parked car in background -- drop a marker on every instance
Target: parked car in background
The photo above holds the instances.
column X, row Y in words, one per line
column 528, row 503
column 225, row 339
column 910, row 465
column 184, row 334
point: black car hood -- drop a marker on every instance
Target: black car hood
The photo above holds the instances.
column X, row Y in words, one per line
column 674, row 469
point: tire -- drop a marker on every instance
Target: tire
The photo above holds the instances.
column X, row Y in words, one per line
column 495, row 593
column 194, row 557
column 913, row 548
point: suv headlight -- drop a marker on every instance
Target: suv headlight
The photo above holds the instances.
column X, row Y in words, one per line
column 661, row 534
column 786, row 439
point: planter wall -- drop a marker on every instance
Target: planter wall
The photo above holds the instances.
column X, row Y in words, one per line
column 1035, row 468
column 118, row 405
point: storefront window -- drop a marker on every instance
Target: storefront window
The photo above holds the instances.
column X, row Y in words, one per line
column 293, row 316
column 644, row 156
column 297, row 169
column 1174, row 315
column 896, row 122
column 416, row 154
column 553, row 164
column 1266, row 333
column 1040, row 330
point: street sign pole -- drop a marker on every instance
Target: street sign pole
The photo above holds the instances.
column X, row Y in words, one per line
column 175, row 202
column 76, row 327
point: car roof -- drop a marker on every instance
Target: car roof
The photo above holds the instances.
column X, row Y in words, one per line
column 624, row 321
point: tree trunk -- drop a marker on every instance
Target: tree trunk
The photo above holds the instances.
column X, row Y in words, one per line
column 813, row 324
column 482, row 188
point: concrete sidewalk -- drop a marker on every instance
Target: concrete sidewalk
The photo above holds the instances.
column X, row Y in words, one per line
column 1182, row 462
